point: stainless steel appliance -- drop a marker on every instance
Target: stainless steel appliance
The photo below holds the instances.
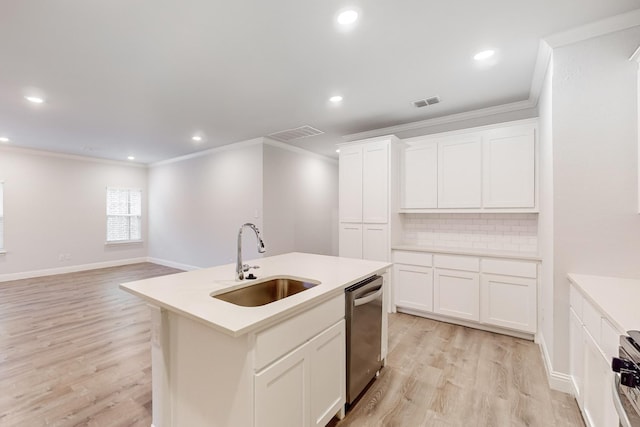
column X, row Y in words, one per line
column 364, row 329
column 626, row 383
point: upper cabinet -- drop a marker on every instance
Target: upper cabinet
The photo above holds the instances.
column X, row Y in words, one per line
column 350, row 189
column 375, row 182
column 489, row 169
column 459, row 172
column 509, row 174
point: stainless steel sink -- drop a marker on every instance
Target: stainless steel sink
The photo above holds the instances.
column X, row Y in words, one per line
column 266, row 292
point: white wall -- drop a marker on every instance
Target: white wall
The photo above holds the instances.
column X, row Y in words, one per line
column 300, row 201
column 596, row 225
column 197, row 205
column 545, row 217
column 56, row 205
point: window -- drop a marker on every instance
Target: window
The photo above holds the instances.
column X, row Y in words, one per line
column 1, row 217
column 124, row 215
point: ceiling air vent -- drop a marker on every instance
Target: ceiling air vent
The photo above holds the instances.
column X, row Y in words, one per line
column 296, row 133
column 425, row 102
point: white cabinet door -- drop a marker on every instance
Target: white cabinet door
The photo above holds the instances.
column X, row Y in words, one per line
column 598, row 399
column 456, row 294
column 419, row 175
column 328, row 374
column 459, row 172
column 350, row 184
column 350, row 240
column 509, row 302
column 576, row 356
column 375, row 182
column 375, row 242
column 509, row 168
column 414, row 287
column 281, row 392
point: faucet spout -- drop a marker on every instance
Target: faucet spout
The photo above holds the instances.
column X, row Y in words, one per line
column 240, row 267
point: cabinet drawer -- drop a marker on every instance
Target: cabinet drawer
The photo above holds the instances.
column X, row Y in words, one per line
column 510, row 268
column 453, row 262
column 413, row 258
column 284, row 337
column 575, row 299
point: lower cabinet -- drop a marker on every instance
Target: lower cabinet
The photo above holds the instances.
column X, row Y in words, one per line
column 590, row 361
column 350, row 240
column 414, row 287
column 456, row 294
column 364, row 241
column 489, row 292
column 305, row 387
column 508, row 302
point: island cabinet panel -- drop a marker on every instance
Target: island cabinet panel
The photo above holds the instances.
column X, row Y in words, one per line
column 282, row 392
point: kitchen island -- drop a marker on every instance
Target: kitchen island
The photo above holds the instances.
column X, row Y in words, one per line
column 219, row 364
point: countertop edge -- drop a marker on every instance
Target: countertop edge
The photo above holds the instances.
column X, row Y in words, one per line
column 469, row 252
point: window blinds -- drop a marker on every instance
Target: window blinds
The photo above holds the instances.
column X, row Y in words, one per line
column 124, row 214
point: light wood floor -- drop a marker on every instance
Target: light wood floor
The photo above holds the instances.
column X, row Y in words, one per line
column 75, row 350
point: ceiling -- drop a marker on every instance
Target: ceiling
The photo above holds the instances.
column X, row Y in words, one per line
column 141, row 77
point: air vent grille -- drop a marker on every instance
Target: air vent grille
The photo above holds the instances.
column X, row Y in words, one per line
column 296, row 133
column 426, row 102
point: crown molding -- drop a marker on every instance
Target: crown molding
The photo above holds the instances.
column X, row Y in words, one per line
column 473, row 114
column 298, row 150
column 76, row 157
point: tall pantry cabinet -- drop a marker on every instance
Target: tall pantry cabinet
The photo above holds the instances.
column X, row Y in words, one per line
column 364, row 199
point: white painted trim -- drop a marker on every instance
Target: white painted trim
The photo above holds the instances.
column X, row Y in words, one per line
column 557, row 380
column 70, row 269
column 34, row 152
column 595, row 29
column 173, row 264
column 483, row 112
column 636, row 55
column 523, row 122
column 293, row 148
column 227, row 147
column 540, row 71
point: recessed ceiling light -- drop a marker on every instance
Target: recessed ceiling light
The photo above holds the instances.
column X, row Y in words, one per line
column 34, row 99
column 131, row 158
column 197, row 138
column 335, row 99
column 347, row 17
column 338, row 150
column 4, row 139
column 485, row 54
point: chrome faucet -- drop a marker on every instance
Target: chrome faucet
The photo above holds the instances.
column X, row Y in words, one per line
column 240, row 267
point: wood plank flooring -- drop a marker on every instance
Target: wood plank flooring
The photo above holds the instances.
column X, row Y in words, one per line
column 75, row 351
column 443, row 375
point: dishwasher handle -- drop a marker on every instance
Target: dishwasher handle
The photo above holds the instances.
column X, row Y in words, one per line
column 368, row 297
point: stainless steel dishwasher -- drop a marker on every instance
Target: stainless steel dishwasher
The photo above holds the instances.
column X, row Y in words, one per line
column 364, row 330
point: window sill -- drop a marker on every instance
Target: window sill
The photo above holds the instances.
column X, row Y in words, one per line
column 124, row 242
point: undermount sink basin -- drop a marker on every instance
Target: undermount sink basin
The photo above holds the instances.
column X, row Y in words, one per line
column 266, row 292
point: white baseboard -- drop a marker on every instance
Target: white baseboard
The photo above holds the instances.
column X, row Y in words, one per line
column 557, row 380
column 172, row 264
column 70, row 269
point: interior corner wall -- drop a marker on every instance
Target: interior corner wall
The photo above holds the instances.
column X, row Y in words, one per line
column 198, row 204
column 300, row 202
column 56, row 205
column 596, row 223
column 545, row 217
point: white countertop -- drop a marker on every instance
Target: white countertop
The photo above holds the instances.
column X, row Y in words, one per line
column 472, row 252
column 189, row 293
column 615, row 297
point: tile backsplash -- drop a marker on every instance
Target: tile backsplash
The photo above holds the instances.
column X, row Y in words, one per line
column 517, row 232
